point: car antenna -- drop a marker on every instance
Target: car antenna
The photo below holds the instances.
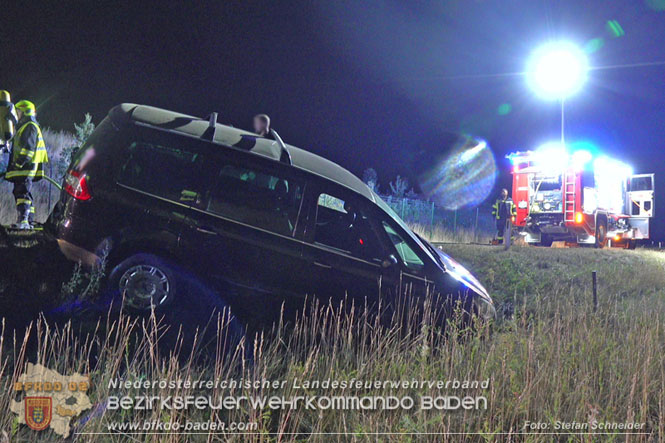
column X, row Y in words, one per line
column 209, row 133
column 285, row 157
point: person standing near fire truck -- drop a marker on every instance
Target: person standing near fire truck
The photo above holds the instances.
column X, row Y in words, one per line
column 504, row 211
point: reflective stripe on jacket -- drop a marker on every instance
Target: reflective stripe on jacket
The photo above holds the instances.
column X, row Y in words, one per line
column 511, row 208
column 28, row 156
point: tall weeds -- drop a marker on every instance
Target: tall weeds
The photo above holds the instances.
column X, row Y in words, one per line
column 551, row 359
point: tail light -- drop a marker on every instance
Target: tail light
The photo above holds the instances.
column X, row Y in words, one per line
column 76, row 185
column 579, row 217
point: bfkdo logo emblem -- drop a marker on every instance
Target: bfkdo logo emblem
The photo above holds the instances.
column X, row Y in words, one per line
column 38, row 412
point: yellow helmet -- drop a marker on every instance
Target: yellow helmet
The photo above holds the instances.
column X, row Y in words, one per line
column 4, row 96
column 26, row 107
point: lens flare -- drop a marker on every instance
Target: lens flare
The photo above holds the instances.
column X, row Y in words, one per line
column 658, row 5
column 504, row 109
column 594, row 45
column 614, row 28
column 463, row 178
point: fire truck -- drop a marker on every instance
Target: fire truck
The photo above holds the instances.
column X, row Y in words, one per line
column 580, row 199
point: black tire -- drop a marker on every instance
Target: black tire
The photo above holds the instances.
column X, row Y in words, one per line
column 143, row 281
column 601, row 234
column 545, row 240
column 631, row 244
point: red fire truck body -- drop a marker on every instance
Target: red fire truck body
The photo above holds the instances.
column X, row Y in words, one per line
column 562, row 197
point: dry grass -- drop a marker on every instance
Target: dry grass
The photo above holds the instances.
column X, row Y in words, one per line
column 440, row 233
column 549, row 358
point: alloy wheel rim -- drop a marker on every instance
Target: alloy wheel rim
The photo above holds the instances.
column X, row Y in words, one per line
column 144, row 286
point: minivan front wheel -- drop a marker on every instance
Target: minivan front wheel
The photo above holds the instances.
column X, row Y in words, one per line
column 143, row 281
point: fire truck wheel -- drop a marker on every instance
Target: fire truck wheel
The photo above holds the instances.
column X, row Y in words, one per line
column 601, row 234
column 545, row 240
column 631, row 244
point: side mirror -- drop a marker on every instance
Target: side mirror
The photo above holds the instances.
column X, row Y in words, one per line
column 389, row 262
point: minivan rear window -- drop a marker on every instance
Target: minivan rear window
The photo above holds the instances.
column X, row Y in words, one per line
column 103, row 137
column 165, row 171
column 257, row 198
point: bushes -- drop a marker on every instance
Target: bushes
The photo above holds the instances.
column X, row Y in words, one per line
column 61, row 145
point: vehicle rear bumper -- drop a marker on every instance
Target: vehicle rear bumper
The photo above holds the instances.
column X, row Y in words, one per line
column 76, row 238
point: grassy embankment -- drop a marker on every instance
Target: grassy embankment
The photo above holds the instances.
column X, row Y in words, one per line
column 440, row 233
column 549, row 358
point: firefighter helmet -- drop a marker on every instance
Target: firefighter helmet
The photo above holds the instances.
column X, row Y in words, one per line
column 7, row 117
column 26, row 107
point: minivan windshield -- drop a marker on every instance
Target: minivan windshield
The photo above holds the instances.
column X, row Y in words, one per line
column 431, row 249
column 387, row 209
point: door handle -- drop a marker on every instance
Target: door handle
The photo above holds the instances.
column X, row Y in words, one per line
column 322, row 265
column 206, row 230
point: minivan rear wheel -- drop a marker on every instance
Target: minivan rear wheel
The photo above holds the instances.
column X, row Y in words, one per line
column 143, row 281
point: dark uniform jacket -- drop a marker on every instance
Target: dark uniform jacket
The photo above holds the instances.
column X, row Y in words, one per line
column 504, row 209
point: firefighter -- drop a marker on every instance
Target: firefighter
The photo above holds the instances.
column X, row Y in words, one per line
column 262, row 125
column 8, row 120
column 503, row 210
column 26, row 162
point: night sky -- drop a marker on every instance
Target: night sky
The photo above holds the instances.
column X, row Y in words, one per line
column 366, row 84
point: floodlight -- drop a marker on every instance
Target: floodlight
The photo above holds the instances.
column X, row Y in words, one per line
column 557, row 70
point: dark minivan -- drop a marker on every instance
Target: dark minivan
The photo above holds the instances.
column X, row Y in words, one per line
column 155, row 194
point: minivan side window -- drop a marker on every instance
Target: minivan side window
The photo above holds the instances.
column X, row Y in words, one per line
column 343, row 226
column 263, row 200
column 407, row 255
column 168, row 172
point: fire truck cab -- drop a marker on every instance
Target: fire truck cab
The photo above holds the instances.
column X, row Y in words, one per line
column 579, row 199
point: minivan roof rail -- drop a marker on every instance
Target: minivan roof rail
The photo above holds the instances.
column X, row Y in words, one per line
column 188, row 125
column 286, row 156
column 209, row 133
